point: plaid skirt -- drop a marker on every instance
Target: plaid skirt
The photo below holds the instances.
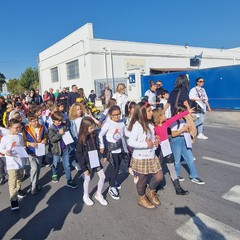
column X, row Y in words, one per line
column 146, row 166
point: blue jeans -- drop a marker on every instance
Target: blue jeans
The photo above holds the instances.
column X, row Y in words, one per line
column 66, row 164
column 179, row 150
column 199, row 122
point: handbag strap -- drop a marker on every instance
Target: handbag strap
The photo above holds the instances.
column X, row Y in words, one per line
column 197, row 92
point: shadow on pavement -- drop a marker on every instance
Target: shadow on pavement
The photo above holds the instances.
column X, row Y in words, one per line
column 27, row 207
column 205, row 231
column 60, row 204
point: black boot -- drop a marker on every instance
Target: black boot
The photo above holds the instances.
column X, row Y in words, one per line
column 179, row 190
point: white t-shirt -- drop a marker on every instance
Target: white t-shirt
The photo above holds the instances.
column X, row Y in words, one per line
column 113, row 131
column 199, row 92
column 168, row 113
column 178, row 125
column 151, row 97
column 121, row 101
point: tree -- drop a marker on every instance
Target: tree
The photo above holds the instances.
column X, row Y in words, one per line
column 29, row 79
column 14, row 86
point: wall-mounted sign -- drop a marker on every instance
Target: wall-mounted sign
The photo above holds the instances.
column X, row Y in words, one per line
column 133, row 64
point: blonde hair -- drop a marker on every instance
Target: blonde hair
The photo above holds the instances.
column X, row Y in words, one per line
column 120, row 87
column 72, row 115
column 157, row 116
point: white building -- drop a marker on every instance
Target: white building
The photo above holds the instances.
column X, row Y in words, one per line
column 81, row 59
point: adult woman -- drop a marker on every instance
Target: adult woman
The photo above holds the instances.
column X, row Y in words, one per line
column 151, row 94
column 121, row 97
column 199, row 96
column 46, row 96
column 31, row 97
column 179, row 94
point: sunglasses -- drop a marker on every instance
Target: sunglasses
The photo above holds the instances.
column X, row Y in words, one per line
column 201, row 81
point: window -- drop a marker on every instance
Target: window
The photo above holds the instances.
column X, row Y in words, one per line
column 72, row 70
column 54, row 74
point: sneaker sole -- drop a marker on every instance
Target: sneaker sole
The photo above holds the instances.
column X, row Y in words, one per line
column 116, row 198
column 89, row 204
column 73, row 187
column 105, row 204
column 15, row 208
column 181, row 180
column 199, row 183
column 21, row 197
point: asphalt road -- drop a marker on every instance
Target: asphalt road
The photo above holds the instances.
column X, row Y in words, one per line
column 210, row 211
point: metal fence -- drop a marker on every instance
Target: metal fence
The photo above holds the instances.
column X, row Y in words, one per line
column 99, row 84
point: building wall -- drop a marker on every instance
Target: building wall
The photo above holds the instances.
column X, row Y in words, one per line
column 105, row 59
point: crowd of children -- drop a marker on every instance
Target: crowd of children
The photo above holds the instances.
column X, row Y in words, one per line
column 143, row 135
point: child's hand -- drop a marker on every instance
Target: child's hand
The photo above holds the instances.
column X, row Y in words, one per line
column 44, row 141
column 32, row 144
column 8, row 153
column 189, row 128
column 104, row 160
column 149, row 143
column 185, row 128
column 192, row 110
column 86, row 173
column 156, row 142
column 61, row 131
column 101, row 150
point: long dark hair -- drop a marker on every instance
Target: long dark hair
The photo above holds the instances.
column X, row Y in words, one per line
column 129, row 105
column 83, row 131
column 181, row 81
column 140, row 115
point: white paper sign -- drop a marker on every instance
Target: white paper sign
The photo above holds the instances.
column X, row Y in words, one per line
column 40, row 150
column 20, row 151
column 94, row 159
column 188, row 139
column 67, row 138
column 165, row 147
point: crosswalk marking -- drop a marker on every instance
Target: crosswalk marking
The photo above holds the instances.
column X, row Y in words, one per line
column 233, row 194
column 201, row 227
column 221, row 161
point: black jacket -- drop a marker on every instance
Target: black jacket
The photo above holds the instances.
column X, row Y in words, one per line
column 91, row 143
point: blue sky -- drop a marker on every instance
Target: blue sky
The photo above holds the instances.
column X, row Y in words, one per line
column 27, row 27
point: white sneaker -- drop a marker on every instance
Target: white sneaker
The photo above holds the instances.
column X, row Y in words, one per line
column 101, row 199
column 87, row 200
column 201, row 136
column 76, row 165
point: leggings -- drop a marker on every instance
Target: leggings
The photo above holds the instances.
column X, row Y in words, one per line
column 87, row 179
column 154, row 182
column 113, row 171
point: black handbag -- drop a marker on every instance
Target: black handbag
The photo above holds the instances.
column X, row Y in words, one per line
column 196, row 106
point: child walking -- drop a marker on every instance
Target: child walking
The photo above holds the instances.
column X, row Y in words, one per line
column 33, row 134
column 59, row 149
column 14, row 163
column 144, row 161
column 88, row 142
column 113, row 130
column 161, row 130
column 181, row 144
column 129, row 112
